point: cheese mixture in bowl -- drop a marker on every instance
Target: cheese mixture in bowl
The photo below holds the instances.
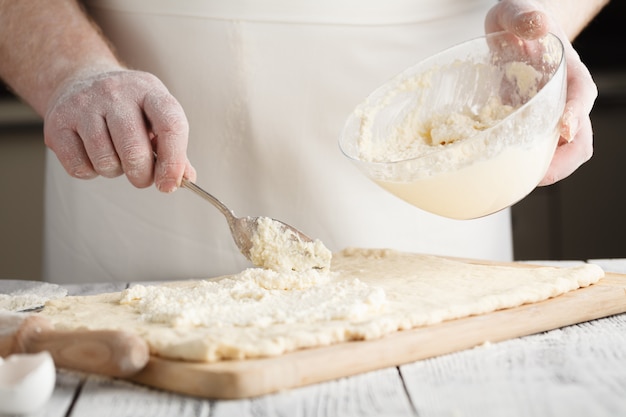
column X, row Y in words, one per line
column 467, row 132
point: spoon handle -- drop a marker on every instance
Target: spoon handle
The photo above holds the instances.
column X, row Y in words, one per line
column 208, row 197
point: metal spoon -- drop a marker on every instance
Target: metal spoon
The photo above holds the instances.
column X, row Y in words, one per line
column 242, row 228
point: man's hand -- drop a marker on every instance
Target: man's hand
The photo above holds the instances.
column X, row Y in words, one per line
column 528, row 19
column 112, row 123
column 99, row 117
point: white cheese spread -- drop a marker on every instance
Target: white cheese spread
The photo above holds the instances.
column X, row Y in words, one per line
column 277, row 247
column 257, row 297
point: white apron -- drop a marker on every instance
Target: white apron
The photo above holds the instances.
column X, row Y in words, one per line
column 266, row 86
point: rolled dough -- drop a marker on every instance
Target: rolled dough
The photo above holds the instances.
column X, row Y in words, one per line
column 367, row 294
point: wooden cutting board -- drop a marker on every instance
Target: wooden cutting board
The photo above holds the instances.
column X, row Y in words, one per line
column 249, row 378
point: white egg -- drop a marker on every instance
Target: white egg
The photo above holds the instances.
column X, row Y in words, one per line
column 26, row 382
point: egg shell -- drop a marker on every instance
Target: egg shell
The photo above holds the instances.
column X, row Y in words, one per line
column 26, row 382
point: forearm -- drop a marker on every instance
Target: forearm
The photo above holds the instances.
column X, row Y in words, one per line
column 44, row 43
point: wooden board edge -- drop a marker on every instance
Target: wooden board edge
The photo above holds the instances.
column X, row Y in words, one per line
column 255, row 377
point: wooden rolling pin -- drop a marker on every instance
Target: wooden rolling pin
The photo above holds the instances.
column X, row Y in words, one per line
column 113, row 353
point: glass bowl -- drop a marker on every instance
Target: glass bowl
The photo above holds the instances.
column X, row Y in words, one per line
column 466, row 132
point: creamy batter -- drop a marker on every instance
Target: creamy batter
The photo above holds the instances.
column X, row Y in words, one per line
column 456, row 194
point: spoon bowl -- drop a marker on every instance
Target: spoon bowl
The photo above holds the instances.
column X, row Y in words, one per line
column 266, row 242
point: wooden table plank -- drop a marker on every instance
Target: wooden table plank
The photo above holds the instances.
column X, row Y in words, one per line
column 373, row 394
column 67, row 384
column 578, row 370
column 104, row 397
column 378, row 393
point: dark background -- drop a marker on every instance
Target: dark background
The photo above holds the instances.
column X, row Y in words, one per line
column 583, row 216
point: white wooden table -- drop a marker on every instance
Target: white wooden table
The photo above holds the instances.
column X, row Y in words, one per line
column 574, row 371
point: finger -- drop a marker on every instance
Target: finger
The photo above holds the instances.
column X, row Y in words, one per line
column 581, row 95
column 130, row 137
column 190, row 172
column 521, row 18
column 171, row 130
column 97, row 142
column 570, row 155
column 69, row 149
column 523, row 25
